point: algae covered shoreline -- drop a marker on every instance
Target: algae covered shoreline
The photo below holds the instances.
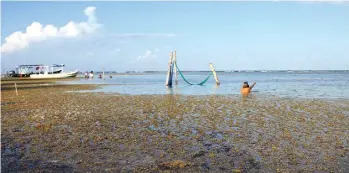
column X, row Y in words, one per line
column 50, row 129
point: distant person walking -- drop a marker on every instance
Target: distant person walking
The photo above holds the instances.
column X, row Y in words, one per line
column 91, row 75
column 86, row 75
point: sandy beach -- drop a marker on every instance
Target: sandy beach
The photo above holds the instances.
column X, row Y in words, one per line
column 49, row 129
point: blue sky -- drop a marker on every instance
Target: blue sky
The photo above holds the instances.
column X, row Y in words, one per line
column 140, row 35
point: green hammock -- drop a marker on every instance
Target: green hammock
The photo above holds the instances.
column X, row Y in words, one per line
column 201, row 83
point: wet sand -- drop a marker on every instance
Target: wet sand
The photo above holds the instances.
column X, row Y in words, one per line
column 46, row 128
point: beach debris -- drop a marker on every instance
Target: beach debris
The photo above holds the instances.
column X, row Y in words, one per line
column 175, row 164
column 199, row 154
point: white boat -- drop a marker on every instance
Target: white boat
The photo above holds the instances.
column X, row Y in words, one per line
column 48, row 73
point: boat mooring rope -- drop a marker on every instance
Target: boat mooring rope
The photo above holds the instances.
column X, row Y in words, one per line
column 201, row 83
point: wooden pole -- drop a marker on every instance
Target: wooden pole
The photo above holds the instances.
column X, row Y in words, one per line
column 169, row 77
column 175, row 69
column 214, row 74
column 171, row 71
column 16, row 89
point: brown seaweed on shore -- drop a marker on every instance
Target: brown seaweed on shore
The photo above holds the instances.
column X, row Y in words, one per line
column 146, row 133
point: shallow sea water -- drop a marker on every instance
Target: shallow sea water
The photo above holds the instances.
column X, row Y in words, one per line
column 284, row 84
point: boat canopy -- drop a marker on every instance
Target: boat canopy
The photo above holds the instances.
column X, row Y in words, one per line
column 30, row 66
column 58, row 65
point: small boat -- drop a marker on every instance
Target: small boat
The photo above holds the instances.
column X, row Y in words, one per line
column 27, row 70
column 47, row 72
column 55, row 75
column 54, row 72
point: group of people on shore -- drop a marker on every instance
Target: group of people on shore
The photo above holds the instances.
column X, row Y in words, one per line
column 89, row 75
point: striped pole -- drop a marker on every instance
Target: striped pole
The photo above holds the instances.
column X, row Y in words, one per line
column 175, row 69
column 169, row 73
column 214, row 74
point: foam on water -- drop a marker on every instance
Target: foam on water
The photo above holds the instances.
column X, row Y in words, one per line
column 302, row 85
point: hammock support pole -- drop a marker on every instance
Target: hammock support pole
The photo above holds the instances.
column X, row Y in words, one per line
column 214, row 74
column 175, row 69
column 169, row 72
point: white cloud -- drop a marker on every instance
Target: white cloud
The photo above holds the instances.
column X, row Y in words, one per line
column 146, row 55
column 114, row 51
column 89, row 53
column 36, row 32
column 142, row 35
column 149, row 55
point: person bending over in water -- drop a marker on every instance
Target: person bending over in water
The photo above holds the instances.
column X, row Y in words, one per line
column 245, row 90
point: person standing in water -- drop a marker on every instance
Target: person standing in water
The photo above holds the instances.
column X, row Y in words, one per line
column 91, row 75
column 246, row 89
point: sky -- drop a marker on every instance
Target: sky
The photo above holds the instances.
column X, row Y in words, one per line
column 125, row 36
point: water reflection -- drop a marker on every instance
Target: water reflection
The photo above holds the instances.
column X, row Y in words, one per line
column 169, row 89
column 215, row 88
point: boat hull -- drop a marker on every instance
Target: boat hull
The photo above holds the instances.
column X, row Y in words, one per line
column 55, row 75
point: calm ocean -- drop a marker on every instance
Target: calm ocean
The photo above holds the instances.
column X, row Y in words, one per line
column 284, row 84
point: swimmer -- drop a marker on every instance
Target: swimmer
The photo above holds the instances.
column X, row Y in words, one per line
column 246, row 89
